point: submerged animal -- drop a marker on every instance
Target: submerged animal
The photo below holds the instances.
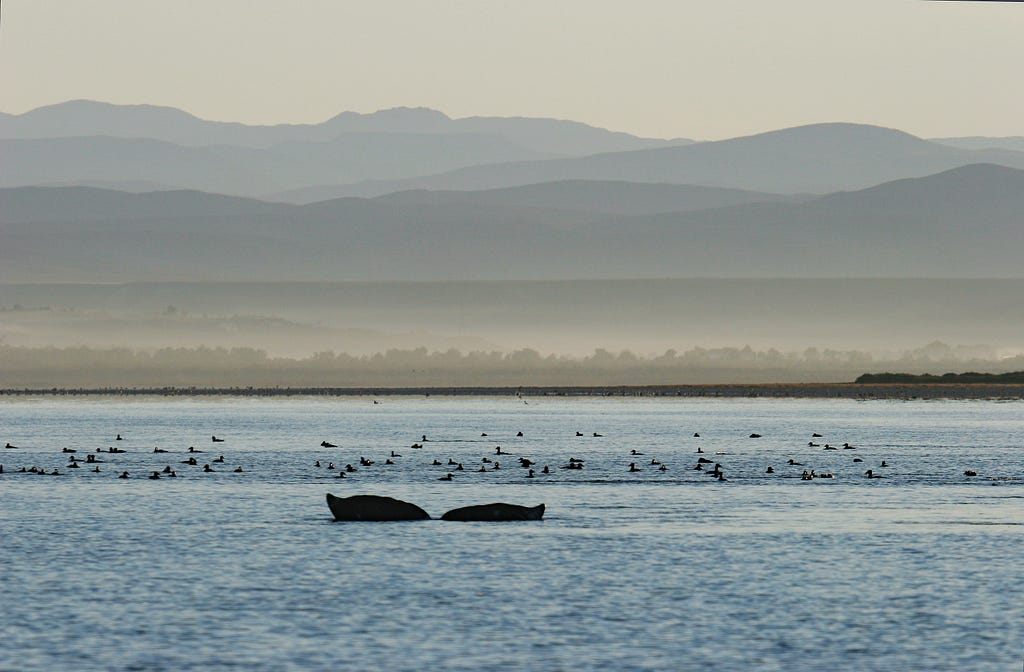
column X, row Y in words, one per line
column 496, row 512
column 373, row 508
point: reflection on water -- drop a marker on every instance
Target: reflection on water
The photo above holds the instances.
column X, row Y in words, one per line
column 628, row 571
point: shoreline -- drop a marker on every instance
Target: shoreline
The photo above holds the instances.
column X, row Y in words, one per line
column 730, row 390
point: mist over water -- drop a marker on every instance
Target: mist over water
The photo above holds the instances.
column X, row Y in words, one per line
column 774, row 330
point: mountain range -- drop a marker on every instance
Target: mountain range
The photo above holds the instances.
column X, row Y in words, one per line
column 148, row 148
column 964, row 222
column 93, row 192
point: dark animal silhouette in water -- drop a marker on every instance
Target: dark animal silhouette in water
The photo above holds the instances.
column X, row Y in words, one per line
column 496, row 512
column 325, row 444
column 373, row 508
column 216, row 440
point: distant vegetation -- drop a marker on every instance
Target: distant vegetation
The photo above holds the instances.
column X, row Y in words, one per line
column 969, row 377
column 40, row 368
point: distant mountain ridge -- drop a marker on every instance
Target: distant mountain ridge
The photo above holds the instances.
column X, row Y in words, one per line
column 1013, row 143
column 965, row 222
column 90, row 118
column 402, row 149
column 819, row 158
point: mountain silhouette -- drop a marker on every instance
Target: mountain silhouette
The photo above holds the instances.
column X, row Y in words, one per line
column 959, row 223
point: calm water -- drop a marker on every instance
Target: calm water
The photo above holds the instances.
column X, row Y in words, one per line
column 655, row 570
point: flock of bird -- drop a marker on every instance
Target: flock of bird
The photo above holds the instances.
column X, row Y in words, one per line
column 712, row 468
column 93, row 461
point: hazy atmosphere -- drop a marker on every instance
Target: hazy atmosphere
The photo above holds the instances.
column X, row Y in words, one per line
column 656, row 68
column 785, row 180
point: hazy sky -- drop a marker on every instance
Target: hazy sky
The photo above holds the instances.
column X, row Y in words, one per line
column 705, row 69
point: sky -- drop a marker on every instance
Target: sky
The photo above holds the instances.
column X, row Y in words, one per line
column 702, row 69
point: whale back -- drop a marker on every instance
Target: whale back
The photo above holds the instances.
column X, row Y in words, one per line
column 373, row 508
column 496, row 512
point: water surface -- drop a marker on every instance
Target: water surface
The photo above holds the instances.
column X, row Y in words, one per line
column 655, row 570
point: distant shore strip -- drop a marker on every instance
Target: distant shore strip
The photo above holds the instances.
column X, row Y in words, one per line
column 771, row 390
